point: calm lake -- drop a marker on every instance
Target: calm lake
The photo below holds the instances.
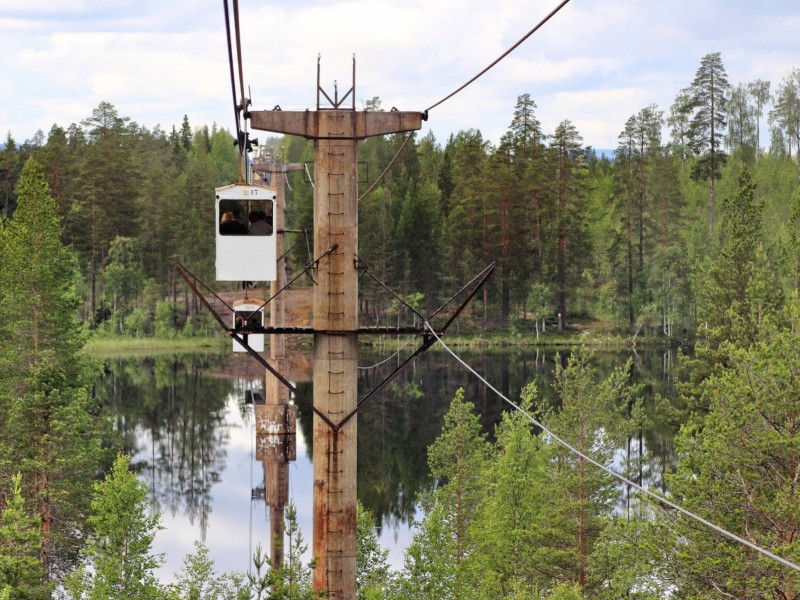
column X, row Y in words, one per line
column 188, row 424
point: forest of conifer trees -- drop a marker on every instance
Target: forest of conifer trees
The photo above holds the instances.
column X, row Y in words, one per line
column 617, row 237
column 695, row 236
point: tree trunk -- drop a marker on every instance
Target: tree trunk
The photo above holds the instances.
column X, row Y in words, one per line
column 582, row 525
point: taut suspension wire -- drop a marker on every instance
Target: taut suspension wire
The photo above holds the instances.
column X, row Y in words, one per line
column 391, row 162
column 230, row 62
column 614, row 474
column 239, row 52
column 502, row 56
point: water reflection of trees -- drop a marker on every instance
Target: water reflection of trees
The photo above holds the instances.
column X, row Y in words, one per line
column 397, row 426
column 170, row 413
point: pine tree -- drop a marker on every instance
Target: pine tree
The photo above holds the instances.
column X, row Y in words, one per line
column 511, row 550
column 596, row 417
column 106, row 205
column 429, row 566
column 118, row 554
column 570, row 245
column 198, row 579
column 706, row 130
column 292, row 579
column 738, row 468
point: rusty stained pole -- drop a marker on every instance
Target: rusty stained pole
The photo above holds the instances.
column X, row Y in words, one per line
column 276, row 420
column 335, row 132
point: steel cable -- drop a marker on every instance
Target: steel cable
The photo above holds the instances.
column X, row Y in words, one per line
column 614, row 474
column 502, row 56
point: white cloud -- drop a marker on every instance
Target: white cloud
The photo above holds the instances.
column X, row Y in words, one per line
column 156, row 61
column 44, row 7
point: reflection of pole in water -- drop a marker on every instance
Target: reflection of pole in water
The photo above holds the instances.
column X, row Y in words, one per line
column 276, row 419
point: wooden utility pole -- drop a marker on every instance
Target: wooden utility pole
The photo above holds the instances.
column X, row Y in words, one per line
column 276, row 440
column 335, row 132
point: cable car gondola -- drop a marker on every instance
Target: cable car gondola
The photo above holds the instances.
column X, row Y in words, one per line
column 246, row 239
column 249, row 313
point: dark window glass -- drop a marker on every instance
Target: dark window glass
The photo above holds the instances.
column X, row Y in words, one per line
column 245, row 217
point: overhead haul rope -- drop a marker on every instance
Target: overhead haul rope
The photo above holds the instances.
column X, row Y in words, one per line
column 230, row 62
column 497, row 60
column 614, row 474
column 502, row 56
column 239, row 106
column 391, row 162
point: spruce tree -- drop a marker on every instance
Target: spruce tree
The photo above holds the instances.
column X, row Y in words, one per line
column 456, row 459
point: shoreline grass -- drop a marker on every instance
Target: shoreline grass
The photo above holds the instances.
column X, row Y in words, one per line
column 108, row 346
column 111, row 346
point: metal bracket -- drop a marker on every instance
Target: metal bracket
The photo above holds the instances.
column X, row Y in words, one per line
column 428, row 340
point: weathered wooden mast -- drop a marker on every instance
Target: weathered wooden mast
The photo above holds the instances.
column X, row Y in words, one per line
column 335, row 131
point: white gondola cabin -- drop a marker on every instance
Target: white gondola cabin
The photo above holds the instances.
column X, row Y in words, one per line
column 249, row 313
column 246, row 246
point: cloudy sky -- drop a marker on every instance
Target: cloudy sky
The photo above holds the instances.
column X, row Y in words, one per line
column 595, row 63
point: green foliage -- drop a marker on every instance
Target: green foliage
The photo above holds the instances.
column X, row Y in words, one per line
column 786, row 114
column 612, row 239
column 566, row 591
column 457, row 457
column 198, row 580
column 738, row 467
column 291, row 580
column 596, row 417
column 516, row 518
column 50, row 432
column 739, row 289
column 429, row 566
column 21, row 572
column 631, row 558
column 165, row 319
column 137, row 323
column 372, row 568
column 119, row 562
